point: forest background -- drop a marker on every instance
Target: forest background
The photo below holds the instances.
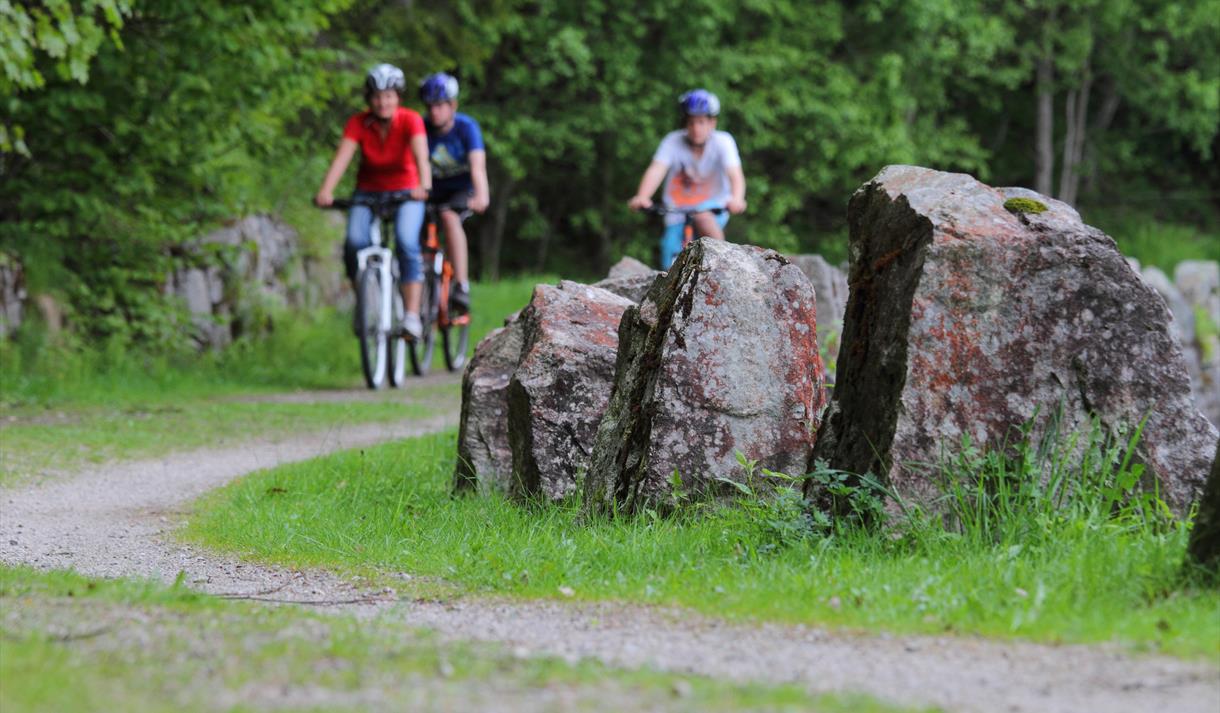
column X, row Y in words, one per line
column 128, row 128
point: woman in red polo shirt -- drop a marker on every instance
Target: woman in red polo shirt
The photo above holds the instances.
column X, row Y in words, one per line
column 393, row 157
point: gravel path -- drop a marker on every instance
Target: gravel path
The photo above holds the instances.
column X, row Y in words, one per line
column 115, row 521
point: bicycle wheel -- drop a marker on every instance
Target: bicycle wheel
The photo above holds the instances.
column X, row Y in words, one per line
column 455, row 338
column 398, row 343
column 374, row 351
column 421, row 349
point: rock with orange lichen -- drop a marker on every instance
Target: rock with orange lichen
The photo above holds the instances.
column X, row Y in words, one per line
column 720, row 358
column 561, row 386
column 967, row 320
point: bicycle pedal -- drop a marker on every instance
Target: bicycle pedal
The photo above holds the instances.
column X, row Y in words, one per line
column 460, row 319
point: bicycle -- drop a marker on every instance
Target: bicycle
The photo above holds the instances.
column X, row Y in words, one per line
column 379, row 304
column 434, row 310
column 688, row 214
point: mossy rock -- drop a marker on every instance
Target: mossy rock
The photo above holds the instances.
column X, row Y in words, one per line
column 1024, row 205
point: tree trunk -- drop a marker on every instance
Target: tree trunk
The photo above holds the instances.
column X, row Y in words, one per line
column 1076, row 112
column 1044, row 166
column 1204, row 548
column 1101, row 123
column 491, row 237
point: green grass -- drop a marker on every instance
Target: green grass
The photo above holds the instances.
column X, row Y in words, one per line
column 78, row 644
column 1159, row 243
column 303, row 351
column 60, row 409
column 1078, row 581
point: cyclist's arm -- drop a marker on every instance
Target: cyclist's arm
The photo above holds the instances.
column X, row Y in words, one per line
column 343, row 157
column 737, row 187
column 649, row 184
column 419, row 148
column 478, row 176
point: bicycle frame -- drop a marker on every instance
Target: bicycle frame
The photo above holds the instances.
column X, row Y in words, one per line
column 441, row 267
column 377, row 256
column 380, row 258
column 688, row 228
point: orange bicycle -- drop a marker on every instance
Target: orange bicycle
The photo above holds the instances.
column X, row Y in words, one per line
column 434, row 309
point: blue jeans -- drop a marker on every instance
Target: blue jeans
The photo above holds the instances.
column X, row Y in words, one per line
column 671, row 239
column 407, row 224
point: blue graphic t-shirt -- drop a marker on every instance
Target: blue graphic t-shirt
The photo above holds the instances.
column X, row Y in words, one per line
column 451, row 154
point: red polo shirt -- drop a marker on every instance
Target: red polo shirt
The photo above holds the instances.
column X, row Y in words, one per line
column 385, row 164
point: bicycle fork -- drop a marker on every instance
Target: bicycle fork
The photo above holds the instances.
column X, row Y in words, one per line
column 378, row 258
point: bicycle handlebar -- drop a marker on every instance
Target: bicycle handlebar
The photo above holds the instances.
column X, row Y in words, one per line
column 659, row 209
column 379, row 200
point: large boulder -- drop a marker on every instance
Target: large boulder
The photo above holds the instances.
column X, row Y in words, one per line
column 485, row 460
column 560, row 388
column 967, row 319
column 830, row 285
column 1198, row 281
column 629, row 278
column 720, row 358
column 1200, row 348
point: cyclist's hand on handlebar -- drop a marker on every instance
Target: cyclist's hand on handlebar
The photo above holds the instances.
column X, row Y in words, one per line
column 639, row 203
column 419, row 194
column 736, row 206
column 323, row 199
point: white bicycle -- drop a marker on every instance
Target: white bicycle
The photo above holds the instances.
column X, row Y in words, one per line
column 379, row 305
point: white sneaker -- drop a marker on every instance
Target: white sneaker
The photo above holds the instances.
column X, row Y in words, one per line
column 412, row 326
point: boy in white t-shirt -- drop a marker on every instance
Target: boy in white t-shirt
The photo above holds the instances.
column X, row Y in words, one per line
column 701, row 170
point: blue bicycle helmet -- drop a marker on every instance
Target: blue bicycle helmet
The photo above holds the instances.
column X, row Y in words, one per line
column 699, row 102
column 438, row 87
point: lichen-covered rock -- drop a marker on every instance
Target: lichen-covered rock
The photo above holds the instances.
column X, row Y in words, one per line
column 628, row 267
column 485, row 459
column 632, row 286
column 560, row 388
column 967, row 320
column 830, row 285
column 1201, row 351
column 232, row 277
column 1199, row 283
column 721, row 357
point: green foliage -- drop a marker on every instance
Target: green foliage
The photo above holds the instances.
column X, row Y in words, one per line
column 193, row 114
column 123, row 170
column 1024, row 205
column 69, row 35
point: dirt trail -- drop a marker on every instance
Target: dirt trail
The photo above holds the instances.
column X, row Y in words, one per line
column 116, row 521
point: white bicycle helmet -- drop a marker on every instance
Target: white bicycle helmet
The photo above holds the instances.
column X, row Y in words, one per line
column 383, row 77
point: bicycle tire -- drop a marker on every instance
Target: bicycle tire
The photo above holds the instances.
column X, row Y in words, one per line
column 398, row 343
column 455, row 340
column 421, row 349
column 374, row 352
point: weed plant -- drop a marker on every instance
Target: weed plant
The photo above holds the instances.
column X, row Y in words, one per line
column 1077, row 557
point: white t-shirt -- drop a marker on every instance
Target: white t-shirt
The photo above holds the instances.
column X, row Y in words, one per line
column 692, row 182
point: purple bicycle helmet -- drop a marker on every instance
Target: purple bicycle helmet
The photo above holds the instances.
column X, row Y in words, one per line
column 383, row 77
column 438, row 87
column 699, row 102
